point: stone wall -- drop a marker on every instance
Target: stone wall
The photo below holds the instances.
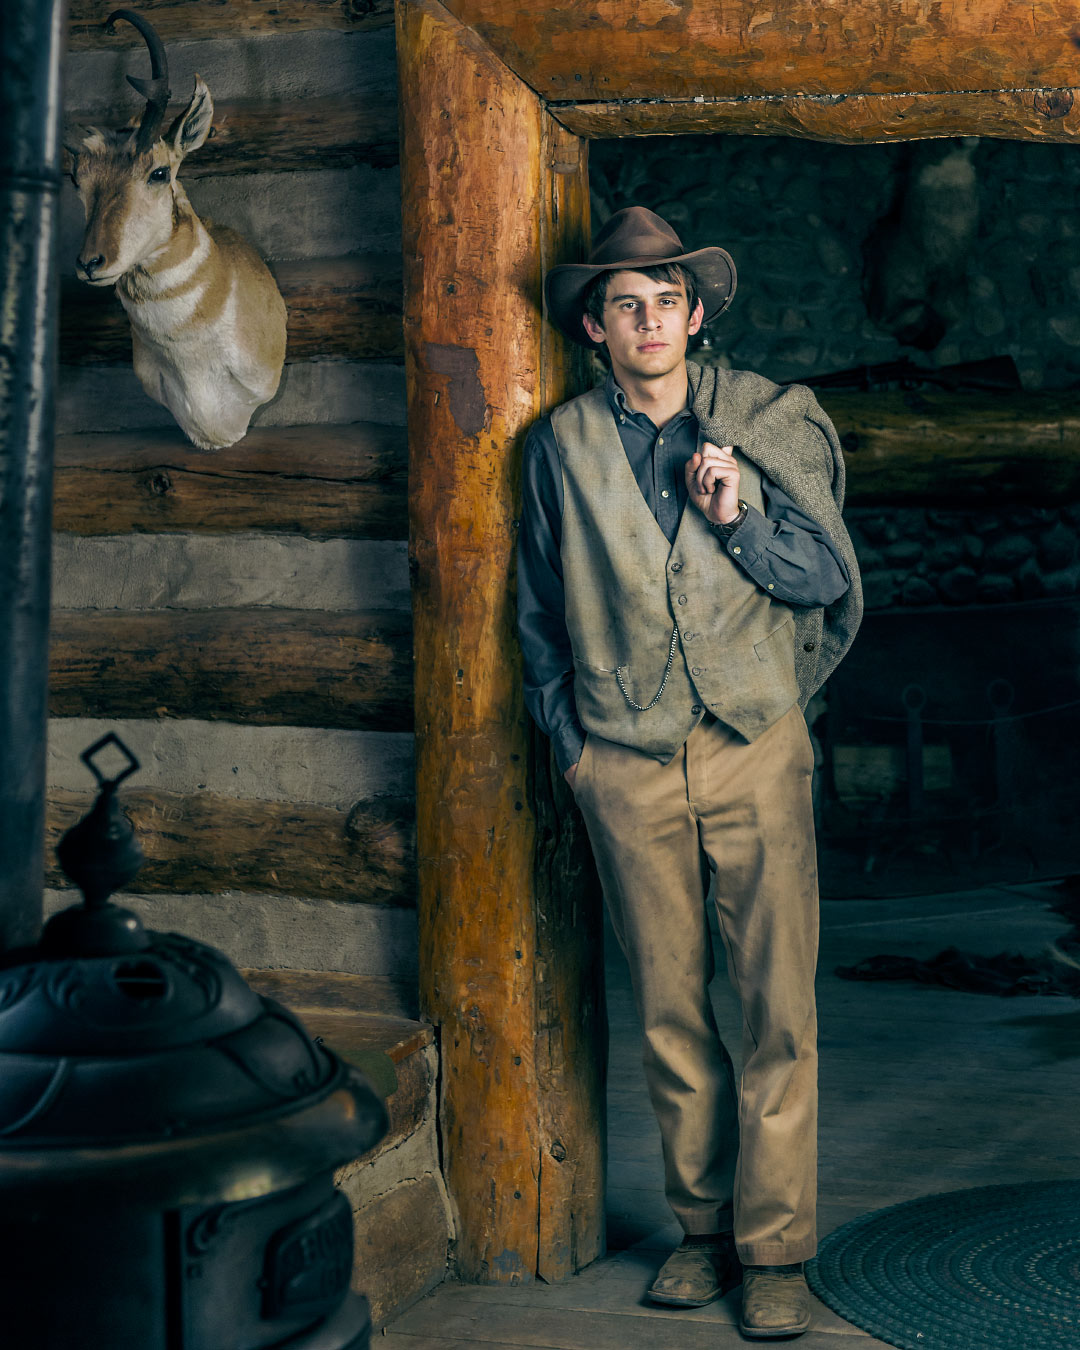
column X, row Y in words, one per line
column 795, row 215
column 802, row 220
column 927, row 557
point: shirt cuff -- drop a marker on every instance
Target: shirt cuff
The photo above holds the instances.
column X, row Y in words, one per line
column 568, row 743
column 750, row 537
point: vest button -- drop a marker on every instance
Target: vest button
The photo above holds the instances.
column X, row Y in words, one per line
column 696, row 709
column 696, row 670
column 676, row 567
column 688, row 637
column 682, row 599
column 808, row 646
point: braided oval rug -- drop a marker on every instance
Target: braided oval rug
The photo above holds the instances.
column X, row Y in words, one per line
column 997, row 1268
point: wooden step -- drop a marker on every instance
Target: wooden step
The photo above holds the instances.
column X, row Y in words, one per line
column 321, row 481
column 343, row 308
column 191, row 20
column 267, row 667
column 208, row 844
column 399, row 1201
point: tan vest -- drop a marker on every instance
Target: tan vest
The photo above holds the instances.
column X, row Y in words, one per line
column 626, row 589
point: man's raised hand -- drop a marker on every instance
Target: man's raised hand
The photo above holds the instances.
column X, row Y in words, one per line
column 712, row 481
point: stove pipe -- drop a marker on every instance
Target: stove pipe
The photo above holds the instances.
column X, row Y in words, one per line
column 31, row 44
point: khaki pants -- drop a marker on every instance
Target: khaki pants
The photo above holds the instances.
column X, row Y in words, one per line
column 745, row 1159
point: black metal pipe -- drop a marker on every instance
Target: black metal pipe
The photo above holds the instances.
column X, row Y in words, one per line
column 32, row 36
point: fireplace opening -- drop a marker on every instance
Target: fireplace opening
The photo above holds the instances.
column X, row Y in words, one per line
column 930, row 291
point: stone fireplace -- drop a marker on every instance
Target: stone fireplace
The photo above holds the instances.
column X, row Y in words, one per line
column 945, row 739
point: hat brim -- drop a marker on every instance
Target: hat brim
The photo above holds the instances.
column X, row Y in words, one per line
column 565, row 286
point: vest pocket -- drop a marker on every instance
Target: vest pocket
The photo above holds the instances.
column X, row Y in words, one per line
column 601, row 670
column 777, row 656
column 595, row 693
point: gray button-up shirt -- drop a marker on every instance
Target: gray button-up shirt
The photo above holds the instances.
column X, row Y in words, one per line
column 784, row 551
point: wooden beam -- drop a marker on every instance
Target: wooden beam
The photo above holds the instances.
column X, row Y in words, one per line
column 926, row 446
column 656, row 49
column 338, row 307
column 858, row 119
column 190, row 20
column 470, row 185
column 320, row 481
column 265, row 667
column 209, row 844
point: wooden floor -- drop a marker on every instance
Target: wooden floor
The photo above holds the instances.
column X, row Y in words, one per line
column 922, row 1090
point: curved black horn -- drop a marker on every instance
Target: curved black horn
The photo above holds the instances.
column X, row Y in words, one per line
column 156, row 89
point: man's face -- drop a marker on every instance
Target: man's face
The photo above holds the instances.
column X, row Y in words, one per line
column 646, row 325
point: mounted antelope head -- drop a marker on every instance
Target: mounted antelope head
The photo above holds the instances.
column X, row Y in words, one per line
column 207, row 319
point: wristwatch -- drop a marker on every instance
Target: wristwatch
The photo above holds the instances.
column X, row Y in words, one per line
column 732, row 525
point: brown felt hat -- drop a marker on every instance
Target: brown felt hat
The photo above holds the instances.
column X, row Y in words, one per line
column 632, row 239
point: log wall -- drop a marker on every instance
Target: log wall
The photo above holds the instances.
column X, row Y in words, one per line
column 242, row 617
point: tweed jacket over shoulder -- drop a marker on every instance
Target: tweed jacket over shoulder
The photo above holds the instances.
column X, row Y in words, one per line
column 788, row 435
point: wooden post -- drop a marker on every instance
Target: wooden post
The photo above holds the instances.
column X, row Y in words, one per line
column 490, row 187
column 572, row 1032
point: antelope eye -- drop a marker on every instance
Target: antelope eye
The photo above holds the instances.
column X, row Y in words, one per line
column 160, row 175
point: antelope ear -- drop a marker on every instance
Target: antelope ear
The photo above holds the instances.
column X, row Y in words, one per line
column 72, row 146
column 192, row 126
column 74, row 142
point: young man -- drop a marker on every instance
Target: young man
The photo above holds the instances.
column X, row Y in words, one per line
column 685, row 584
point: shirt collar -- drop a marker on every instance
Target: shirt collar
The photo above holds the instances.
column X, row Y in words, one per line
column 620, row 404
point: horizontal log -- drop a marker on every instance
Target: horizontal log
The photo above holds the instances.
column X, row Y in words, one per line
column 655, row 49
column 189, row 20
column 350, row 481
column 266, row 667
column 929, row 446
column 209, row 844
column 346, row 308
column 318, row 133
column 273, row 135
column 322, row 481
column 858, row 119
column 371, row 1002
column 343, row 307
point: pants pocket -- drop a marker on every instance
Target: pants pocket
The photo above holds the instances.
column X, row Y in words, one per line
column 583, row 763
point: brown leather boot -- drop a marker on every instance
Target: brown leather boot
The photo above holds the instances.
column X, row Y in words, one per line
column 775, row 1302
column 697, row 1272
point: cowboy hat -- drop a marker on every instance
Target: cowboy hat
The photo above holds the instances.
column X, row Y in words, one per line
column 633, row 239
